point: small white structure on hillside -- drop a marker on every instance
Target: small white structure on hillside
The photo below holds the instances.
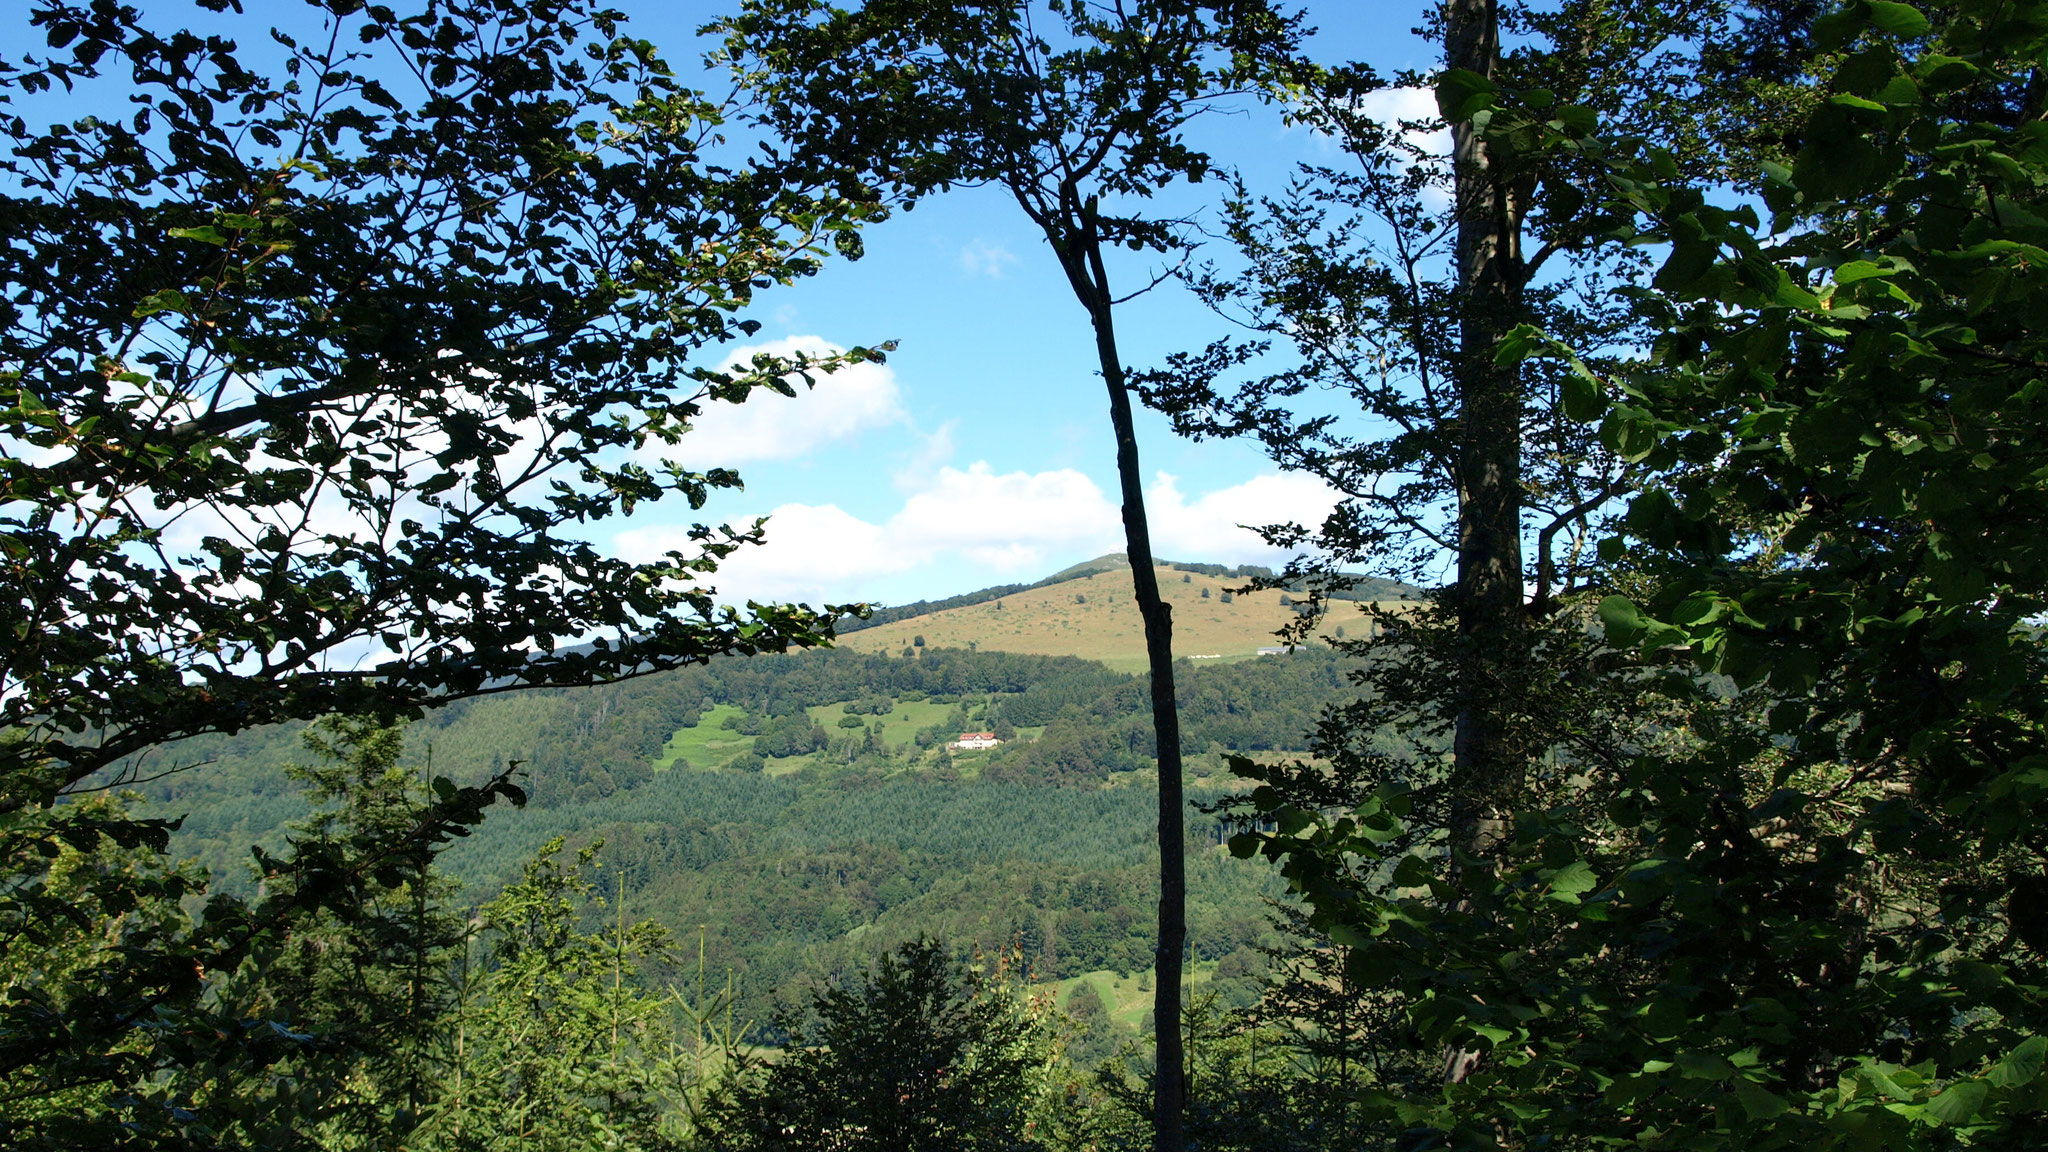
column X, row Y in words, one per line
column 971, row 740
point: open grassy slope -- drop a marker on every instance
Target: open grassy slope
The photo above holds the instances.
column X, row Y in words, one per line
column 1094, row 616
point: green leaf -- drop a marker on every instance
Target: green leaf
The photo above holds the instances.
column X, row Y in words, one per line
column 1958, row 1103
column 167, row 300
column 1290, row 820
column 1880, row 1077
column 1572, row 881
column 1520, row 343
column 2022, row 1065
column 1573, row 120
column 1628, row 433
column 1624, row 621
column 1791, row 294
column 1704, row 1066
column 205, row 234
column 1760, row 1102
column 1856, row 270
column 1461, row 93
column 1413, row 872
column 1897, row 19
column 1581, row 398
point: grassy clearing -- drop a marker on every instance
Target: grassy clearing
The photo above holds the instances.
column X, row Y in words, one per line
column 707, row 745
column 898, row 727
column 1128, row 998
column 910, row 715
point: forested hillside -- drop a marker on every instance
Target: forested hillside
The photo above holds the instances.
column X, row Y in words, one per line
column 805, row 809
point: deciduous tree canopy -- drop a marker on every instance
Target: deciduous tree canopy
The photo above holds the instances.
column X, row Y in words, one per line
column 315, row 360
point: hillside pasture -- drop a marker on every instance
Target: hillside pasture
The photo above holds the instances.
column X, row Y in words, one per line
column 1095, row 617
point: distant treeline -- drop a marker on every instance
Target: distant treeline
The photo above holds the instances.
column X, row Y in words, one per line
column 891, row 615
column 1362, row 587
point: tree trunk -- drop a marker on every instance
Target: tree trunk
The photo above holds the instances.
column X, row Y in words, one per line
column 1489, row 593
column 1169, row 1077
column 1486, row 772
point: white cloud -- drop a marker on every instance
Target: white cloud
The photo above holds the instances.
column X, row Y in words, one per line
column 993, row 527
column 1007, row 526
column 769, row 426
column 814, row 553
column 1393, row 106
column 1007, row 522
column 1217, row 527
column 980, row 257
column 934, row 450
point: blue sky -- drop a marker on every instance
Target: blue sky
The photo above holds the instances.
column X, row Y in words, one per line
column 981, row 452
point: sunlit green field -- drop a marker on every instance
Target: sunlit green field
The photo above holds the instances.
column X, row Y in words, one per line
column 710, row 745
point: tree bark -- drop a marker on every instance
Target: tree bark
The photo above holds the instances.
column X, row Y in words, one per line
column 1486, row 772
column 1488, row 601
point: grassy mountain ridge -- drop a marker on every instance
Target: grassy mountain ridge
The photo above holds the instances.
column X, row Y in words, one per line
column 1089, row 611
column 1217, row 578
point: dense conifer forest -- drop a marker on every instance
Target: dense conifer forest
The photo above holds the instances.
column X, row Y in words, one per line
column 805, row 859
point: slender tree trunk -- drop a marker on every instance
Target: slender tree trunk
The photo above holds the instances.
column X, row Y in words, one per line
column 1091, row 282
column 1486, row 772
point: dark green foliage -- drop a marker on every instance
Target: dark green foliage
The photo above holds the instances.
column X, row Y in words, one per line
column 791, row 735
column 1045, row 698
column 1073, row 754
column 1092, row 1037
column 581, row 746
column 296, row 257
column 916, row 1055
column 1234, row 572
column 783, row 871
column 556, row 1042
column 319, row 358
column 364, row 974
column 135, row 1017
column 1774, row 905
